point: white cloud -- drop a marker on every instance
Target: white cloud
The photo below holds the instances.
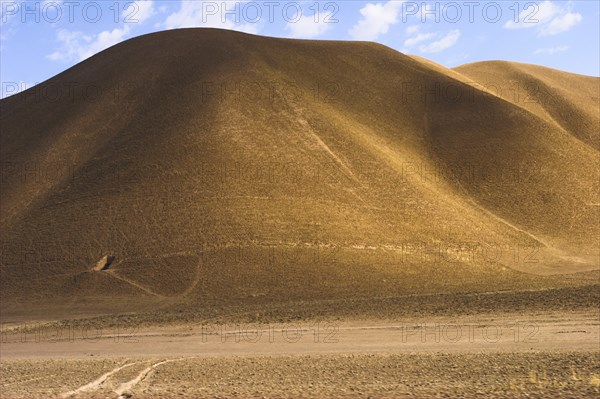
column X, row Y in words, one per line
column 77, row 47
column 307, row 28
column 143, row 10
column 421, row 37
column 534, row 15
column 551, row 50
column 376, row 20
column 547, row 16
column 413, row 29
column 103, row 41
column 444, row 43
column 71, row 44
column 193, row 14
column 189, row 15
column 561, row 24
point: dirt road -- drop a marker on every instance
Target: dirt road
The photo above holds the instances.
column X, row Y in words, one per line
column 555, row 354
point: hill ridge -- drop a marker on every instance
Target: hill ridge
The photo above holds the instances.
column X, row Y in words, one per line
column 408, row 174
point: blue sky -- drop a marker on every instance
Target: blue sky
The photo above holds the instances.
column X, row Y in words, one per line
column 39, row 39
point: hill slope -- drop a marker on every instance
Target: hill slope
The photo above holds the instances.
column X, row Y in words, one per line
column 217, row 165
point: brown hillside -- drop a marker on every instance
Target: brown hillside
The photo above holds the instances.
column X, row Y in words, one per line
column 222, row 166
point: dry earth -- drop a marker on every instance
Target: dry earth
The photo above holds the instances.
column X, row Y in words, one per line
column 507, row 356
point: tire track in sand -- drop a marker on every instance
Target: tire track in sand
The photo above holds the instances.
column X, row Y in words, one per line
column 97, row 383
column 124, row 390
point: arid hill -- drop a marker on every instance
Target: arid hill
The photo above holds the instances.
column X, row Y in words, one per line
column 221, row 166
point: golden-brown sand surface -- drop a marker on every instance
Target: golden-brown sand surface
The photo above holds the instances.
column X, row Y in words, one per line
column 555, row 354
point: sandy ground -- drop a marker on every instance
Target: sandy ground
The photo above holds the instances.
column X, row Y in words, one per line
column 545, row 355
